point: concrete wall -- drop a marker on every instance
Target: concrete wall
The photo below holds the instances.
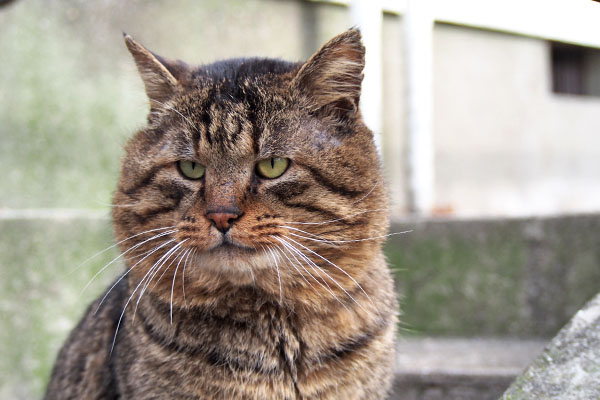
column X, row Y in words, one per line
column 505, row 144
column 504, row 277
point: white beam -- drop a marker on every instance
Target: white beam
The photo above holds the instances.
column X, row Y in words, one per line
column 418, row 44
column 367, row 15
column 571, row 21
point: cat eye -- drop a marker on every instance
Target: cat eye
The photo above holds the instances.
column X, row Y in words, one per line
column 190, row 169
column 271, row 168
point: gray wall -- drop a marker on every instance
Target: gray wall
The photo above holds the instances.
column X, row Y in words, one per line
column 505, row 144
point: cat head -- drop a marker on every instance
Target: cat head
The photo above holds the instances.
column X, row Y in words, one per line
column 252, row 172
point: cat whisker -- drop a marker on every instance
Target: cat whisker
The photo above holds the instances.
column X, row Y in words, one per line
column 291, row 250
column 313, row 239
column 335, row 220
column 343, row 271
column 301, row 231
column 116, row 244
column 166, row 269
column 173, row 283
column 183, row 274
column 125, row 307
column 133, row 257
column 128, row 271
column 278, row 275
column 131, row 297
column 369, row 193
column 123, row 254
column 282, row 251
column 333, row 242
column 316, row 268
column 158, row 265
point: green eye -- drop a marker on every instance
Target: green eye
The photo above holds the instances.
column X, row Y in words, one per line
column 190, row 169
column 272, row 167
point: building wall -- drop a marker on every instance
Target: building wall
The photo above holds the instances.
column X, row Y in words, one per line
column 504, row 143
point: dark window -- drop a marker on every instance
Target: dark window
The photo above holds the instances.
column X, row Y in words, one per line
column 575, row 69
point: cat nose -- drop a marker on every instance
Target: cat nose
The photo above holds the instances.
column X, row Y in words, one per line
column 223, row 220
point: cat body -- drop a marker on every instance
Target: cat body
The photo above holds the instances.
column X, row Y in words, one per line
column 251, row 213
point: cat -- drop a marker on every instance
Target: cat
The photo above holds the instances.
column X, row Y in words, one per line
column 251, row 213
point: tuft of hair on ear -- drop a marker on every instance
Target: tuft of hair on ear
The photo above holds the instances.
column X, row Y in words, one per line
column 162, row 78
column 331, row 79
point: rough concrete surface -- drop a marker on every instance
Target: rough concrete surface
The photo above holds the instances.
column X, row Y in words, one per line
column 569, row 368
column 459, row 368
column 494, row 277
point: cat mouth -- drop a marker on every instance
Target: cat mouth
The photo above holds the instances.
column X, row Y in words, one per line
column 229, row 247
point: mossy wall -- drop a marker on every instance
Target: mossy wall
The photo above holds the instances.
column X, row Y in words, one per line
column 517, row 277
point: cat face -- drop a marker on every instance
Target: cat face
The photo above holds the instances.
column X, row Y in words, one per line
column 251, row 172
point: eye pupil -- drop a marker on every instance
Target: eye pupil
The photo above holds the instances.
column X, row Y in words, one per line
column 190, row 169
column 272, row 168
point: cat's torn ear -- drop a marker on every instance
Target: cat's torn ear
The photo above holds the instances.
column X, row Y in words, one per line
column 161, row 77
column 331, row 78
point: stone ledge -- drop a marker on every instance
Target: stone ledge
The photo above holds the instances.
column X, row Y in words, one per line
column 459, row 368
column 569, row 367
column 449, row 386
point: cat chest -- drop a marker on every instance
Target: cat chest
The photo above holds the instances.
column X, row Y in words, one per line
column 208, row 357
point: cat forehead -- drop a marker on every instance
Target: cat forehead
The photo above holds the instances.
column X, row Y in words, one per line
column 235, row 69
column 235, row 104
column 237, row 86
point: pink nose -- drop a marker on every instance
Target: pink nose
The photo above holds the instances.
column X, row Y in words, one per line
column 222, row 220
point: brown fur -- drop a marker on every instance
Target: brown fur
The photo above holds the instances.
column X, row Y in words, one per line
column 254, row 319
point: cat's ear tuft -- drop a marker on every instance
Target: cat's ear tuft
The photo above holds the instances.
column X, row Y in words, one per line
column 161, row 77
column 331, row 79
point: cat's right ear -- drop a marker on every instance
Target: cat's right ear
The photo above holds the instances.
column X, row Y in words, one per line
column 162, row 78
column 331, row 79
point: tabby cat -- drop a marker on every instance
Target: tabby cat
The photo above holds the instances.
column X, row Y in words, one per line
column 250, row 212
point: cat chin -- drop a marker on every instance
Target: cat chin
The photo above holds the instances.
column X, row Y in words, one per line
column 238, row 265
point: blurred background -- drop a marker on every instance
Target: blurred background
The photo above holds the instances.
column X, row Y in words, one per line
column 486, row 114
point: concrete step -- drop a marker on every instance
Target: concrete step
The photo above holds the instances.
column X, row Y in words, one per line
column 459, row 368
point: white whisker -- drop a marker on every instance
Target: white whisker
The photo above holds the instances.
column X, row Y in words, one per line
column 183, row 274
column 116, row 244
column 129, row 270
column 173, row 284
column 128, row 301
column 278, row 275
column 157, row 267
column 340, row 269
column 282, row 251
column 327, row 241
column 335, row 220
column 369, row 193
column 301, row 231
column 122, row 254
column 310, row 263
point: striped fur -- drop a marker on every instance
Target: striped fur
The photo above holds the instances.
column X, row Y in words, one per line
column 295, row 301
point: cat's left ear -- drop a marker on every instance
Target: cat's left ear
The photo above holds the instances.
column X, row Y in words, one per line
column 162, row 77
column 331, row 79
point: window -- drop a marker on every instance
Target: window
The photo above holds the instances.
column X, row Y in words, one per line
column 575, row 69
